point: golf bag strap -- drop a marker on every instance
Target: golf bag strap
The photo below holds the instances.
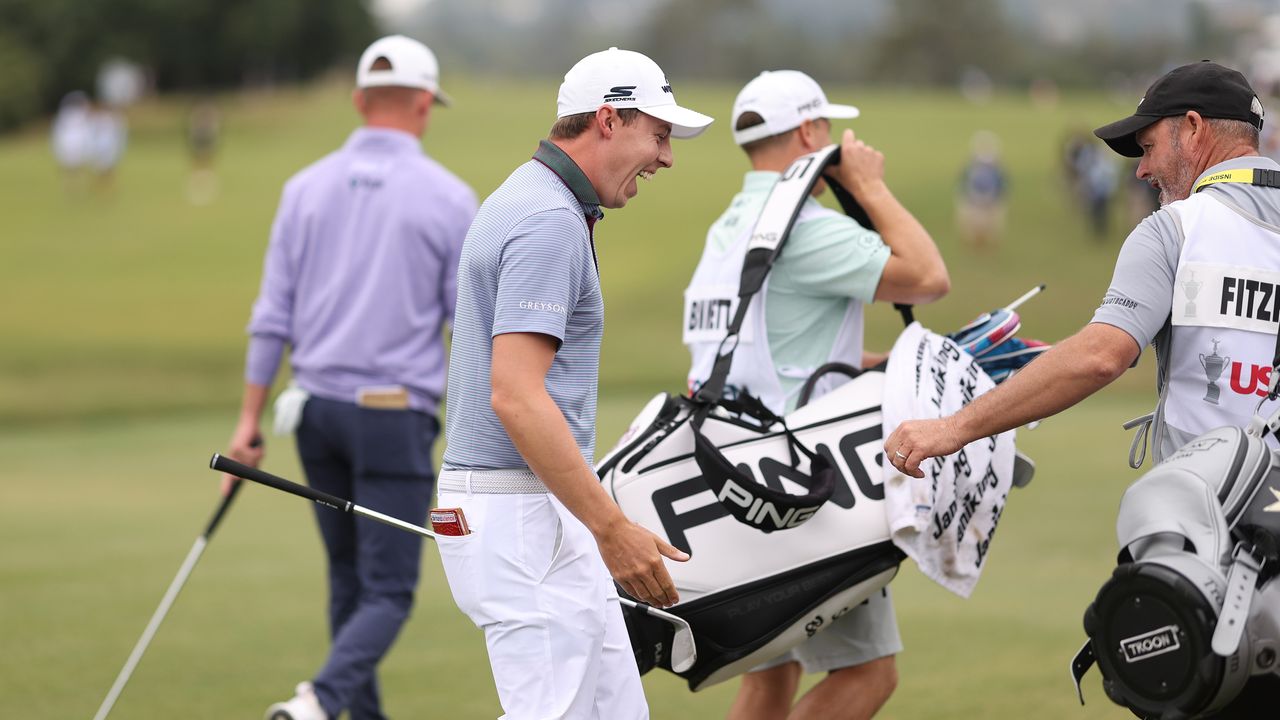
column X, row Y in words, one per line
column 747, row 500
column 1242, row 578
column 768, row 237
column 1138, row 448
column 753, row 503
column 854, row 209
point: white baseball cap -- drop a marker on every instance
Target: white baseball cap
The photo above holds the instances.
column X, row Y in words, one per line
column 413, row 65
column 784, row 98
column 626, row 79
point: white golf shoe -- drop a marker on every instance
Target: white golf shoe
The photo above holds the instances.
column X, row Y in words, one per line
column 302, row 706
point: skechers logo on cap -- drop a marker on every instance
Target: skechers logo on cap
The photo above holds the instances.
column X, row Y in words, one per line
column 1149, row 644
column 619, row 92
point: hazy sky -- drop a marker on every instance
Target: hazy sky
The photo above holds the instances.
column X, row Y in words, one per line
column 397, row 9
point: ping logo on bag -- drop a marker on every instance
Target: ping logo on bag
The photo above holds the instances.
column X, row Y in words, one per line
column 1149, row 644
column 760, row 510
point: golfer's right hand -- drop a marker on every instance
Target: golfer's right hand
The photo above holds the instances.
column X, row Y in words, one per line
column 246, row 446
column 634, row 558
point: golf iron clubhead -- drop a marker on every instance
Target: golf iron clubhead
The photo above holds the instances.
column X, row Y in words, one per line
column 683, row 650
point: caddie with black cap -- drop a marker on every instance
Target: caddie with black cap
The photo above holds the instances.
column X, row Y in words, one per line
column 1206, row 87
column 1197, row 280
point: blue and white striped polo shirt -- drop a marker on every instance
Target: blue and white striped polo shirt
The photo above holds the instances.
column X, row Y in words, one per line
column 528, row 265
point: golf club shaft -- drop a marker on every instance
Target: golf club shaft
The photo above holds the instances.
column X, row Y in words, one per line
column 227, row 465
column 240, row 470
column 170, row 595
column 1025, row 297
column 656, row 612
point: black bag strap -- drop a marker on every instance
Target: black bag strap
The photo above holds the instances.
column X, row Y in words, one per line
column 747, row 500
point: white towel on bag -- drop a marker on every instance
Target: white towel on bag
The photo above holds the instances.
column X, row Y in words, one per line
column 944, row 521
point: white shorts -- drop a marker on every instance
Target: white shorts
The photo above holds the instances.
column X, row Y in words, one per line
column 865, row 633
column 530, row 575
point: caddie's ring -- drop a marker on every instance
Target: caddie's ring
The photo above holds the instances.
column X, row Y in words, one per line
column 899, row 454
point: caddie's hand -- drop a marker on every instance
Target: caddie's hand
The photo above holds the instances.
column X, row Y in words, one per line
column 915, row 441
column 246, row 446
column 634, row 558
column 861, row 166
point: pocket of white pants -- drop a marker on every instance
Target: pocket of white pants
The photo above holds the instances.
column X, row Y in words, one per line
column 459, row 555
column 541, row 536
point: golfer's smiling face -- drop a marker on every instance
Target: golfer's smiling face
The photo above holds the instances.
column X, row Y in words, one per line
column 636, row 151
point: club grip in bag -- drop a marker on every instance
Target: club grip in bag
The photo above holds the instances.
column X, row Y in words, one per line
column 240, row 470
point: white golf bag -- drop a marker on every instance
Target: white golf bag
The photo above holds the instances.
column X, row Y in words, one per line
column 1192, row 612
column 749, row 595
column 738, row 488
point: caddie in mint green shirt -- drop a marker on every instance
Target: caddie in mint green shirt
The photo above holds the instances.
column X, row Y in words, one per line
column 828, row 260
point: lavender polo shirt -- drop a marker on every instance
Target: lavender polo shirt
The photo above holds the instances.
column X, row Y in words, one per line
column 360, row 272
column 528, row 266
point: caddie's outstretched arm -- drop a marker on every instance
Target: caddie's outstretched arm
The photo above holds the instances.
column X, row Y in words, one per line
column 1063, row 376
column 540, row 432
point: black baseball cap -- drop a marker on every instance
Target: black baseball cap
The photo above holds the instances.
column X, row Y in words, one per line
column 1208, row 88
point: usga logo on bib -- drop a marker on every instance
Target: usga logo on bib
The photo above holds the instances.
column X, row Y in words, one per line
column 1148, row 645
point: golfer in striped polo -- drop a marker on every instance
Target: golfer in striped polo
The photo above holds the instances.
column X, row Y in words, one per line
column 535, row 571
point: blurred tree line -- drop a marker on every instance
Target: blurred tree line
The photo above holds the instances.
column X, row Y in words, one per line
column 50, row 47
column 889, row 42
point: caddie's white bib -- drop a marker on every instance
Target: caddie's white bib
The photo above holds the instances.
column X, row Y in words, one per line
column 710, row 302
column 1226, row 308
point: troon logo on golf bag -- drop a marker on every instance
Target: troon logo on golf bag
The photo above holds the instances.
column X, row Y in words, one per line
column 1148, row 645
column 760, row 511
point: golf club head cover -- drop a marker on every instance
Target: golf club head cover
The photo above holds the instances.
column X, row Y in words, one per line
column 984, row 334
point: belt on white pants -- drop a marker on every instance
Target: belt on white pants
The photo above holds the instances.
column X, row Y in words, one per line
column 491, row 482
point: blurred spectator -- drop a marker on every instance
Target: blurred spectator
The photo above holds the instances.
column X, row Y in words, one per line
column 1096, row 185
column 1142, row 197
column 70, row 137
column 107, row 135
column 204, row 125
column 1073, row 145
column 980, row 202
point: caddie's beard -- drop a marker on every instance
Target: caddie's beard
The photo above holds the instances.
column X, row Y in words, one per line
column 1177, row 184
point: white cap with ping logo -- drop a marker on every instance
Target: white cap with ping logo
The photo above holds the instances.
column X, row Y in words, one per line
column 784, row 98
column 626, row 79
column 412, row 65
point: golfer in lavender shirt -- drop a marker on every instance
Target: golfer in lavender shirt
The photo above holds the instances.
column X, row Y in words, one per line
column 359, row 282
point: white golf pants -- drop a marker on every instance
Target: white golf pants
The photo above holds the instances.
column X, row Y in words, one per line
column 530, row 575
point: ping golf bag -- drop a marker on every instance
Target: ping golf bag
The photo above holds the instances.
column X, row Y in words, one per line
column 738, row 488
column 748, row 595
column 1192, row 612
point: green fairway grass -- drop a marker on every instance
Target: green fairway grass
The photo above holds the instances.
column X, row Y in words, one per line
column 123, row 316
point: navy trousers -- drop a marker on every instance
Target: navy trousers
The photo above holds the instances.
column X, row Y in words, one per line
column 381, row 460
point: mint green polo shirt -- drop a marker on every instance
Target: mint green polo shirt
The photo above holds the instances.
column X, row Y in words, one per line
column 826, row 262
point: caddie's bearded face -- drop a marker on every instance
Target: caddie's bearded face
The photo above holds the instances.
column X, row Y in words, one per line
column 1164, row 163
column 636, row 151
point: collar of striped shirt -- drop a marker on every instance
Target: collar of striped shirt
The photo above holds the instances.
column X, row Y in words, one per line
column 559, row 162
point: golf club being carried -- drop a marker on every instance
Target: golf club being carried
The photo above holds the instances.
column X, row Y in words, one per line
column 684, row 652
column 189, row 564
